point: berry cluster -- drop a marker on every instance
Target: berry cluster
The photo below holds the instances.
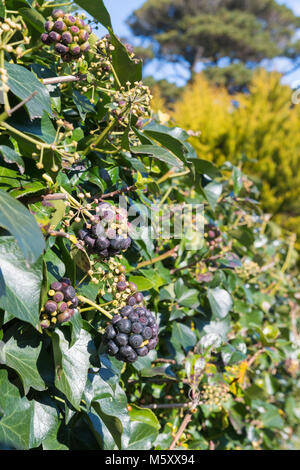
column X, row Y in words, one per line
column 212, row 235
column 214, row 395
column 132, row 100
column 61, row 307
column 132, row 333
column 69, row 33
column 107, row 235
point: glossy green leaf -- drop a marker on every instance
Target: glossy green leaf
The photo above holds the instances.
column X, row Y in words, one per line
column 158, row 152
column 10, row 156
column 97, row 9
column 220, row 302
column 23, row 83
column 127, row 70
column 15, row 218
column 21, row 352
column 21, row 295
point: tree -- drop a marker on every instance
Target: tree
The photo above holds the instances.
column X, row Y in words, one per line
column 193, row 31
column 259, row 127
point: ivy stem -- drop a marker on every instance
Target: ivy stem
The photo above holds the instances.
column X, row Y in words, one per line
column 76, row 203
column 156, row 406
column 115, row 75
column 183, row 425
column 169, row 253
column 95, row 306
column 24, row 136
column 101, row 137
column 65, row 79
column 171, row 174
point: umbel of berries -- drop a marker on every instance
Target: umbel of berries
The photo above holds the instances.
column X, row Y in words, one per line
column 69, row 34
column 132, row 333
column 61, row 304
column 212, row 234
column 107, row 236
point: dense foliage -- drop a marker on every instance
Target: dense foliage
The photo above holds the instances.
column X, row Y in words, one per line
column 75, row 136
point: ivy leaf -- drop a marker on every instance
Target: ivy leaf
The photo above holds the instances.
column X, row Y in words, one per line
column 163, row 135
column 125, row 68
column 113, row 413
column 24, row 364
column 183, row 336
column 21, row 295
column 71, row 365
column 186, row 296
column 15, row 218
column 23, row 423
column 34, row 18
column 10, row 156
column 142, row 436
column 83, row 104
column 206, row 167
column 96, row 9
column 158, row 152
column 17, row 412
column 220, row 302
column 23, row 83
column 141, row 282
column 212, row 192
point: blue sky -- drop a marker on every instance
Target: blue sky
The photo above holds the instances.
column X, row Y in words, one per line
column 121, row 9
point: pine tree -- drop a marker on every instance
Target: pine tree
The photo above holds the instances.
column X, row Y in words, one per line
column 193, row 31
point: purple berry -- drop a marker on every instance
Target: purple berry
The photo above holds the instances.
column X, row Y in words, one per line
column 45, row 38
column 83, row 35
column 138, row 297
column 49, row 26
column 133, row 317
column 69, row 20
column 74, row 30
column 75, row 49
column 85, row 47
column 135, row 341
column 137, row 328
column 61, row 48
column 58, row 297
column 121, row 339
column 152, row 343
column 147, row 333
column 66, row 37
column 121, row 286
column 125, row 311
column 142, row 351
column 131, row 301
column 75, row 302
column 69, row 292
column 59, row 26
column 50, row 306
column 110, row 332
column 54, row 37
column 56, row 285
column 116, row 319
column 112, row 348
column 144, row 320
column 62, row 306
column 58, row 13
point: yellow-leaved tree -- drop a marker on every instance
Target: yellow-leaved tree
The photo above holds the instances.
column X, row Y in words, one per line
column 263, row 126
